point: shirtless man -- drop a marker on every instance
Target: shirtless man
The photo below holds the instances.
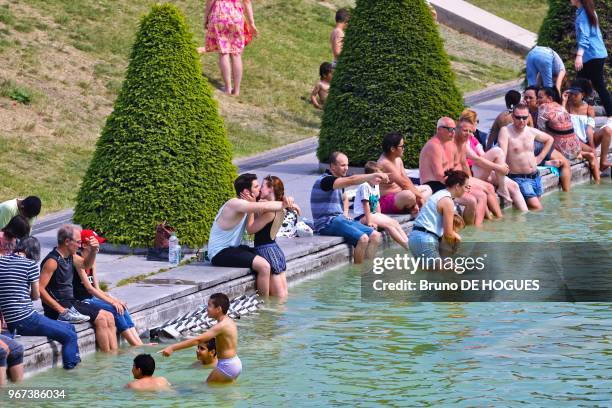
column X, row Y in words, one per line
column 225, row 334
column 143, row 369
column 224, row 244
column 399, row 195
column 517, row 142
column 439, row 155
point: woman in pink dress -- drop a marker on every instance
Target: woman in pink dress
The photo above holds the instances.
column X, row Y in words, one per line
column 224, row 22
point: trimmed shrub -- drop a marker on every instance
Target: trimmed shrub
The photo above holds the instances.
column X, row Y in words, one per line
column 163, row 153
column 393, row 75
column 558, row 32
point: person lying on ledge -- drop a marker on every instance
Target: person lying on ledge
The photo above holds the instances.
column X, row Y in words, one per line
column 328, row 213
column 143, row 369
column 225, row 243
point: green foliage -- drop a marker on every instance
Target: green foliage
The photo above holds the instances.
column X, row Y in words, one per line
column 558, row 31
column 393, row 75
column 17, row 93
column 163, row 153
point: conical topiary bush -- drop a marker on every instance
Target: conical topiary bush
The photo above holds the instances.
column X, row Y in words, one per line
column 163, row 153
column 393, row 75
column 558, row 32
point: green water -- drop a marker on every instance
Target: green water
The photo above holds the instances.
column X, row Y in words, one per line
column 325, row 346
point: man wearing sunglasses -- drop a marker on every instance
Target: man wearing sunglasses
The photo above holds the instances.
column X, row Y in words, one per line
column 517, row 141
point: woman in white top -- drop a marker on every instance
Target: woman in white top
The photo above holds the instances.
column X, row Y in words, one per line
column 435, row 220
column 583, row 119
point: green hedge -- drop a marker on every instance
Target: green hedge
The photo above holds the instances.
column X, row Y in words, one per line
column 393, row 75
column 559, row 33
column 163, row 153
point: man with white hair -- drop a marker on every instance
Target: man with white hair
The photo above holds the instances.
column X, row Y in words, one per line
column 57, row 292
column 439, row 155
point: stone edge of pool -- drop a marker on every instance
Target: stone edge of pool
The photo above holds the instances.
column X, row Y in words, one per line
column 184, row 288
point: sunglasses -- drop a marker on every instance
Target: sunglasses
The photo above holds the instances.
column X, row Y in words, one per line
column 517, row 117
column 449, row 128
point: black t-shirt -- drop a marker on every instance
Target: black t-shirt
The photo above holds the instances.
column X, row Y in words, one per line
column 327, row 182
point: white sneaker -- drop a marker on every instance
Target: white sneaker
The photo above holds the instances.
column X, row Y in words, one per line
column 71, row 315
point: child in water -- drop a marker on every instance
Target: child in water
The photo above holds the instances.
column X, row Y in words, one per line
column 143, row 369
column 318, row 96
column 225, row 334
column 206, row 353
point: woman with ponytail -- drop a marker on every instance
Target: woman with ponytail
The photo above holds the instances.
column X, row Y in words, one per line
column 435, row 220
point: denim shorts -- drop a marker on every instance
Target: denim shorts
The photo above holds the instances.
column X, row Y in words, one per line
column 14, row 356
column 123, row 321
column 424, row 244
column 350, row 230
column 530, row 187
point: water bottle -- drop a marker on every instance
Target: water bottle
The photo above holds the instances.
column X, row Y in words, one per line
column 174, row 250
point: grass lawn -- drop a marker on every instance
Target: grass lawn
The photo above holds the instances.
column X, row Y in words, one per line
column 528, row 14
column 64, row 61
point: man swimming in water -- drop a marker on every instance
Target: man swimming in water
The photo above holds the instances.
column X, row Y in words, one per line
column 225, row 334
column 143, row 369
column 206, row 353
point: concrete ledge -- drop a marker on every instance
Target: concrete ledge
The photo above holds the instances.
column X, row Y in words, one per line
column 170, row 294
column 481, row 24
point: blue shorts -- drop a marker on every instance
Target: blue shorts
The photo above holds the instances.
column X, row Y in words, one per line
column 531, row 186
column 15, row 354
column 350, row 230
column 424, row 245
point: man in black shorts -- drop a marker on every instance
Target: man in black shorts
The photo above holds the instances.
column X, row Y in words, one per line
column 224, row 244
column 57, row 293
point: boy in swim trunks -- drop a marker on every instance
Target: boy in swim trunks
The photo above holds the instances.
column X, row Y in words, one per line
column 225, row 334
column 143, row 369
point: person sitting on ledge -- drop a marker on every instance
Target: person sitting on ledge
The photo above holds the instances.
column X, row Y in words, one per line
column 11, row 358
column 28, row 207
column 142, row 370
column 481, row 189
column 264, row 227
column 57, row 289
column 517, row 142
column 87, row 289
column 224, row 244
column 439, row 155
column 327, row 210
column 18, row 287
column 399, row 195
column 16, row 229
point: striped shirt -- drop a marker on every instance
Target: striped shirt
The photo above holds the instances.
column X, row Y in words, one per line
column 16, row 275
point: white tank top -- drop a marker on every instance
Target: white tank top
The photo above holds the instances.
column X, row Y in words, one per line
column 220, row 239
column 429, row 217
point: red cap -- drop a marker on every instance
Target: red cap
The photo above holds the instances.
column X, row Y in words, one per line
column 86, row 234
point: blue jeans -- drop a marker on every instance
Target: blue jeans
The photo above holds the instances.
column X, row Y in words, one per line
column 350, row 230
column 122, row 321
column 540, row 59
column 14, row 356
column 39, row 325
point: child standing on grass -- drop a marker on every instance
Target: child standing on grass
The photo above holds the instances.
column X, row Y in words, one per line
column 367, row 208
column 318, row 96
column 225, row 334
column 337, row 35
